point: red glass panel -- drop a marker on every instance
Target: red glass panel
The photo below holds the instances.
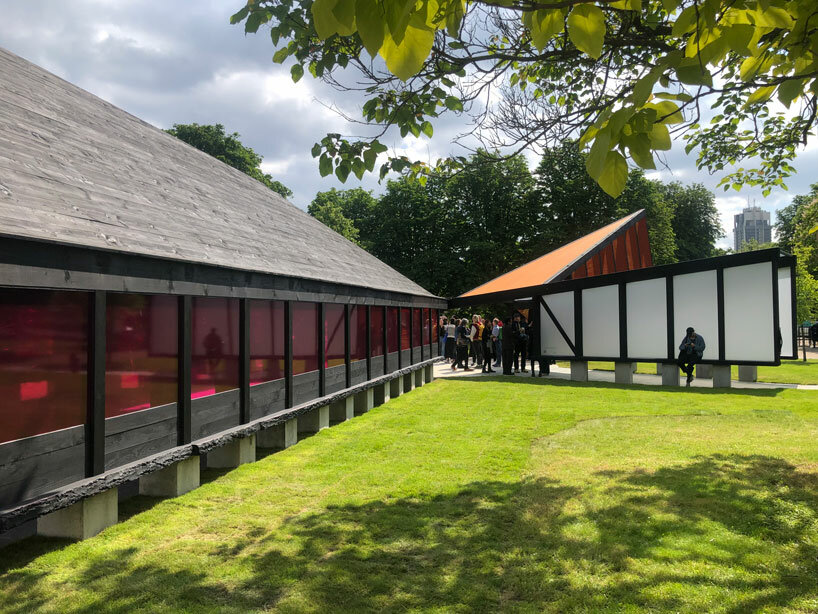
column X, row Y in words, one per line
column 43, row 359
column 404, row 328
column 630, row 249
column 579, row 272
column 266, row 341
column 392, row 329
column 357, row 332
column 607, row 260
column 305, row 337
column 417, row 327
column 644, row 243
column 620, row 259
column 215, row 346
column 376, row 326
column 426, row 323
column 141, row 361
column 591, row 266
column 334, row 335
column 435, row 324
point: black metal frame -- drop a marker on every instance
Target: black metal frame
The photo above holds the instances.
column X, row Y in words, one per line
column 95, row 399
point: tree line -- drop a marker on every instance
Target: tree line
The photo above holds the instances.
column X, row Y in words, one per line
column 457, row 231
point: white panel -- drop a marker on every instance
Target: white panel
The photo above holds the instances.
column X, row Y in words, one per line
column 748, row 313
column 785, row 310
column 647, row 319
column 562, row 306
column 600, row 322
column 695, row 304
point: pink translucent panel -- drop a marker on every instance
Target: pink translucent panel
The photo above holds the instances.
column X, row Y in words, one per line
column 417, row 327
column 426, row 325
column 215, row 346
column 141, row 358
column 376, row 326
column 305, row 337
column 404, row 328
column 334, row 335
column 392, row 333
column 644, row 243
column 266, row 341
column 357, row 332
column 435, row 324
column 43, row 359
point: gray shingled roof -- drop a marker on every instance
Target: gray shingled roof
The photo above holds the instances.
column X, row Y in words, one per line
column 75, row 169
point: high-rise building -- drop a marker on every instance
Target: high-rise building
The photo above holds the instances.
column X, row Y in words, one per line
column 752, row 223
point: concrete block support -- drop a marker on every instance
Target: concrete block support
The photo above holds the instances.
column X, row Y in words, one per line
column 342, row 410
column 670, row 374
column 704, row 371
column 418, row 375
column 721, row 376
column 659, row 368
column 233, row 454
column 278, row 437
column 623, row 372
column 82, row 520
column 747, row 373
column 396, row 388
column 172, row 481
column 365, row 400
column 408, row 382
column 429, row 373
column 313, row 421
column 579, row 371
column 381, row 394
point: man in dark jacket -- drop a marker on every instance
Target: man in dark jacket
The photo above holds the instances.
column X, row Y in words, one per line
column 690, row 352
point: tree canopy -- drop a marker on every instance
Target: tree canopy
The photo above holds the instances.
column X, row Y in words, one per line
column 213, row 140
column 619, row 75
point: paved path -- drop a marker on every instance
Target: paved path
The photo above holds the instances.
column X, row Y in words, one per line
column 444, row 370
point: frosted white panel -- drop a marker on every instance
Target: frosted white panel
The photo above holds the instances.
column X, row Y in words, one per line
column 562, row 306
column 748, row 312
column 600, row 322
column 785, row 311
column 695, row 304
column 647, row 319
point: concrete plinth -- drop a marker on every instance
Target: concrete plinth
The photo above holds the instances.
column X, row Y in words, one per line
column 233, row 454
column 670, row 374
column 721, row 376
column 747, row 373
column 623, row 372
column 381, row 394
column 172, row 481
column 418, row 375
column 579, row 371
column 278, row 437
column 396, row 387
column 365, row 400
column 704, row 371
column 429, row 374
column 408, row 382
column 313, row 421
column 342, row 410
column 82, row 520
column 658, row 368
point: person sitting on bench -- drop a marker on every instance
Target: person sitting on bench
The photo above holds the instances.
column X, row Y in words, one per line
column 690, row 352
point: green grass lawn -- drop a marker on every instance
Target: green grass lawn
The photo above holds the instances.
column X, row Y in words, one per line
column 789, row 372
column 477, row 495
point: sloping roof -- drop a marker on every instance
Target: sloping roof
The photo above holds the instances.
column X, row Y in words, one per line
column 77, row 170
column 557, row 263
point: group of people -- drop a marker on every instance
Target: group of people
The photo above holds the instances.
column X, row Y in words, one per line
column 489, row 344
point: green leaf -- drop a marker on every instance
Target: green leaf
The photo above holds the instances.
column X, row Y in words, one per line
column 256, row 18
column 281, row 55
column 660, row 138
column 753, row 66
column 454, row 104
column 762, row 94
column 398, row 13
column 297, row 71
column 427, row 129
column 371, row 25
column 667, row 112
column 586, row 28
column 685, row 22
column 545, row 23
column 595, row 161
column 316, row 150
column 627, row 5
column 644, row 87
column 639, row 149
column 370, row 156
column 240, row 14
column 325, row 165
column 325, row 21
column 344, row 13
column 342, row 171
column 406, row 59
column 790, row 90
column 670, row 5
column 738, row 37
column 691, row 72
column 614, row 174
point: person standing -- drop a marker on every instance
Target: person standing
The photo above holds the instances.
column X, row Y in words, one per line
column 508, row 349
column 488, row 346
column 691, row 350
column 517, row 338
column 442, row 336
column 451, row 329
column 497, row 338
column 462, row 346
column 476, row 338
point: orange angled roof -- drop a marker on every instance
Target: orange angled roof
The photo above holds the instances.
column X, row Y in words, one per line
column 546, row 268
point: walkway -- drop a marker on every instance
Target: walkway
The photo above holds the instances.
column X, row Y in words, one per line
column 444, row 370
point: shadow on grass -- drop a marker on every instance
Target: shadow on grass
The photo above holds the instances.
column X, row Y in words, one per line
column 544, row 381
column 742, row 526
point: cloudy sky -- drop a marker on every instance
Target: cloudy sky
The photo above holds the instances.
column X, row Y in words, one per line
column 181, row 62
